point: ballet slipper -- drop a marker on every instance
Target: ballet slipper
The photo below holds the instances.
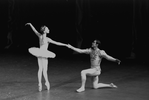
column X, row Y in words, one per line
column 40, row 87
column 80, row 90
column 47, row 85
column 114, row 86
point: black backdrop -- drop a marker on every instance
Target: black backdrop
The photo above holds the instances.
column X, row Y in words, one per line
column 120, row 25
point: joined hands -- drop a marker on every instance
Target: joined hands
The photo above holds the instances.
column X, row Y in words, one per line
column 69, row 46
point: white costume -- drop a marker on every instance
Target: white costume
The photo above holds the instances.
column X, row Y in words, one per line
column 38, row 52
column 42, row 51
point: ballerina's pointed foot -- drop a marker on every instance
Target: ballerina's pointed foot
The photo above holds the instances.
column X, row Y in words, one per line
column 40, row 87
column 80, row 90
column 47, row 85
column 114, row 86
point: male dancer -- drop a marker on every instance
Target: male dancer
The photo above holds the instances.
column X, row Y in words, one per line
column 96, row 56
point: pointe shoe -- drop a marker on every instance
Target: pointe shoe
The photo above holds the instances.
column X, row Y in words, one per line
column 114, row 86
column 47, row 85
column 40, row 87
column 80, row 90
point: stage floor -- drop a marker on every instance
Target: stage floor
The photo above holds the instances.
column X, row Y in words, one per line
column 18, row 80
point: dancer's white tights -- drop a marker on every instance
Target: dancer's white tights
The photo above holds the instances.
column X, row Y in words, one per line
column 43, row 67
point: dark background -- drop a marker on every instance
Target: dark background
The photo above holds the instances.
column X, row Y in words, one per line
column 120, row 25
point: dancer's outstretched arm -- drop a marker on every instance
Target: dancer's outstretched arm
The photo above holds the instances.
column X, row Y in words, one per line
column 33, row 28
column 78, row 50
column 56, row 43
column 104, row 54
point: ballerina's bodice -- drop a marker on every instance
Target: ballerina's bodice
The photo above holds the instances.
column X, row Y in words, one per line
column 43, row 43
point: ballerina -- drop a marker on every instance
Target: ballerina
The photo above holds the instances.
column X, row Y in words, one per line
column 96, row 56
column 43, row 54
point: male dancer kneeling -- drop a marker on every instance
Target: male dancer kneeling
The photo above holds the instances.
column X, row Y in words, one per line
column 96, row 56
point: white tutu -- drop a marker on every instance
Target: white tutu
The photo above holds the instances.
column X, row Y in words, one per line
column 41, row 52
